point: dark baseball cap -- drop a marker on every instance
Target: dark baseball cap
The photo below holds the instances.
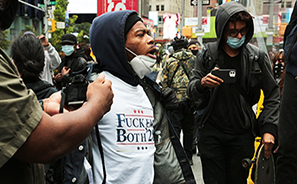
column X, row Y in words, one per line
column 69, row 38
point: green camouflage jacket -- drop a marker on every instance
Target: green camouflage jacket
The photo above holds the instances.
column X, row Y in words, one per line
column 178, row 81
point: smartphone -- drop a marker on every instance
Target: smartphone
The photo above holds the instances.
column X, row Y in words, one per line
column 228, row 75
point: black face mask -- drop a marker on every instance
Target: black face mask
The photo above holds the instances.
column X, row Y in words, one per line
column 7, row 14
column 194, row 52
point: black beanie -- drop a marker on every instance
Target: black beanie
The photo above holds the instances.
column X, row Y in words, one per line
column 131, row 20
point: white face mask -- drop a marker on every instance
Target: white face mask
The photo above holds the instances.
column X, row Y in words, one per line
column 141, row 64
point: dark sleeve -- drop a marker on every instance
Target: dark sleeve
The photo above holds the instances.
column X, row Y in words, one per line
column 292, row 22
column 81, row 63
column 271, row 99
column 20, row 111
column 194, row 89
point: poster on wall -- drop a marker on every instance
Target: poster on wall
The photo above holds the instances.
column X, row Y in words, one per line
column 206, row 24
column 193, row 22
column 104, row 6
column 169, row 25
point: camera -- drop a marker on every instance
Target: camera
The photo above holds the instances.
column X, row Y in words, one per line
column 75, row 91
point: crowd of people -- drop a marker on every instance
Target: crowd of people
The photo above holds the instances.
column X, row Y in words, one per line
column 128, row 128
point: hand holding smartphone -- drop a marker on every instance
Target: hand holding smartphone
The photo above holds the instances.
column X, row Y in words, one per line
column 228, row 75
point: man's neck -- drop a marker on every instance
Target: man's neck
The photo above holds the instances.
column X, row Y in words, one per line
column 231, row 52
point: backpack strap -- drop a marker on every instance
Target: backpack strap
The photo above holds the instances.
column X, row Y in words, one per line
column 211, row 56
column 180, row 63
column 257, row 58
column 212, row 46
column 101, row 153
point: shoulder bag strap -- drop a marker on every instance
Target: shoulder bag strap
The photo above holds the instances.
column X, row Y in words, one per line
column 101, row 153
column 180, row 63
column 180, row 153
column 169, row 83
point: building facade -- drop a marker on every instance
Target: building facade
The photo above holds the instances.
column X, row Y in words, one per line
column 27, row 17
column 169, row 7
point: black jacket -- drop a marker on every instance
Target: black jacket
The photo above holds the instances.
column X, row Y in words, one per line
column 251, row 81
column 76, row 62
column 42, row 89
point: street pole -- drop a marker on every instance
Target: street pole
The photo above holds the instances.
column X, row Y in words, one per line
column 183, row 17
column 270, row 31
column 139, row 8
column 46, row 2
column 199, row 32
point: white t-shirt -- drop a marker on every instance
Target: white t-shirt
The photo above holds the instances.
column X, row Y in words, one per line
column 126, row 133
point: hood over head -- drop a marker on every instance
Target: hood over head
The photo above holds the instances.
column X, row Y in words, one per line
column 224, row 13
column 107, row 39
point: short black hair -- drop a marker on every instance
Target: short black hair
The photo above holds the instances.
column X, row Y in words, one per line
column 28, row 54
column 241, row 16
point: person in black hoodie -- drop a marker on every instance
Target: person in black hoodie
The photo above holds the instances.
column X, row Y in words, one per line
column 74, row 60
column 30, row 63
column 226, row 127
column 125, row 53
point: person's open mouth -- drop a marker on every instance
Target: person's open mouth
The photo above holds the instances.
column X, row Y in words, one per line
column 152, row 53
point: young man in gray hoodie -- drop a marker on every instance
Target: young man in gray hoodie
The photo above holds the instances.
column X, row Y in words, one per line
column 226, row 127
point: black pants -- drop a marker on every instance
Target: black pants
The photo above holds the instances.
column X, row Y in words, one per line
column 183, row 119
column 221, row 155
column 286, row 165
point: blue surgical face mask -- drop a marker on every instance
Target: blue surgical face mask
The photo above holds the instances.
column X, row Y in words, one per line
column 68, row 49
column 235, row 43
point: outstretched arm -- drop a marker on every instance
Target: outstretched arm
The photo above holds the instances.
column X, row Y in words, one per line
column 57, row 135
